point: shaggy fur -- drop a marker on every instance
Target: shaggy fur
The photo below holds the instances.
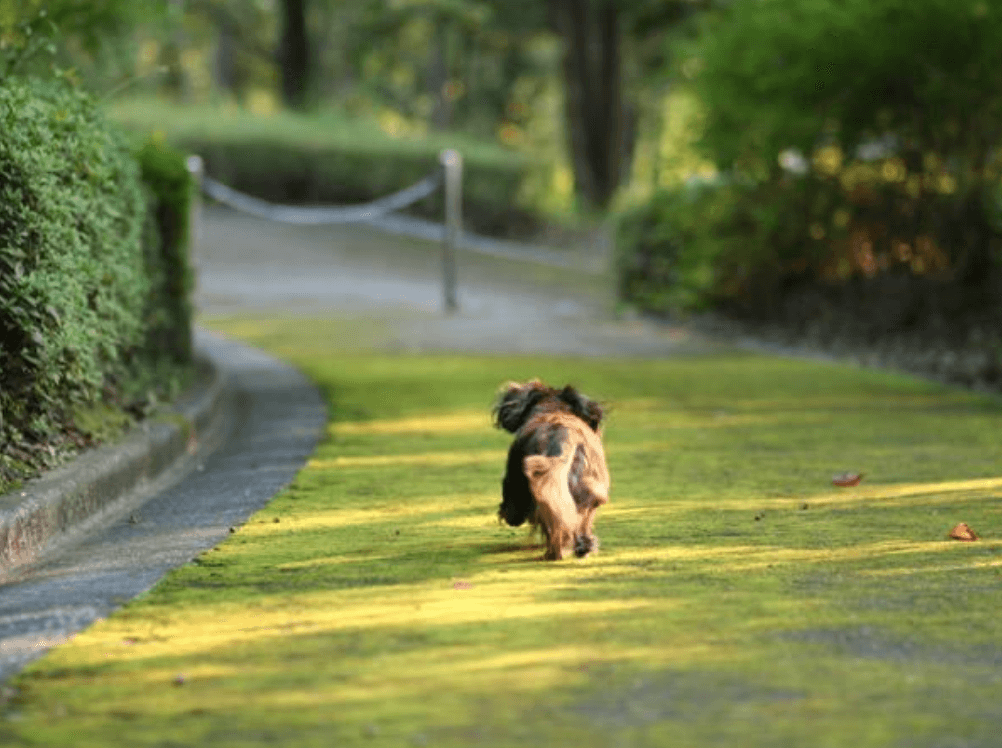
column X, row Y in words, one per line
column 556, row 476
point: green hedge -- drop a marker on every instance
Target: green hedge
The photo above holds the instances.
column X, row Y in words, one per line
column 94, row 281
column 168, row 312
column 293, row 158
column 72, row 276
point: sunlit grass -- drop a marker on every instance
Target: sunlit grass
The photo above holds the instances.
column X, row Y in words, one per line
column 738, row 597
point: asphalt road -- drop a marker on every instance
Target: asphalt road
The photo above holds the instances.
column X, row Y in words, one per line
column 249, row 266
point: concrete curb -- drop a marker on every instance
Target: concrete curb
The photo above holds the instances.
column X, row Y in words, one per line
column 50, row 511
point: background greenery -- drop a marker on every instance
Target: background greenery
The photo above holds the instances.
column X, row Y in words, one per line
column 858, row 140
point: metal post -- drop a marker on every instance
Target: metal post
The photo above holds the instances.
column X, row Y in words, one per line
column 196, row 168
column 452, row 162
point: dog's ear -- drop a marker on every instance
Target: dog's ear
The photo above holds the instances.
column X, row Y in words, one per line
column 583, row 407
column 516, row 402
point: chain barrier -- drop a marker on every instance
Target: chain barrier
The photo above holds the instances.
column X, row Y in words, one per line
column 384, row 215
column 319, row 216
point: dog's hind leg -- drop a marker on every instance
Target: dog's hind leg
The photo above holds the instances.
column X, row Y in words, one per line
column 555, row 508
column 589, row 487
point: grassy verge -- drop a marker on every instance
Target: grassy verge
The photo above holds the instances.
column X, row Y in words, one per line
column 738, row 599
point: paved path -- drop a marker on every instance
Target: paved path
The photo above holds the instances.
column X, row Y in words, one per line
column 250, row 266
column 278, row 419
column 505, row 306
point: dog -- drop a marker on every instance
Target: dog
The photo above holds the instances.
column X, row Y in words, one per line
column 556, row 476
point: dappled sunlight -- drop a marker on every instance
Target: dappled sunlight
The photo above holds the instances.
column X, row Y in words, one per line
column 421, row 459
column 887, row 496
column 457, row 422
column 907, row 490
column 386, row 512
column 327, row 561
column 743, row 558
column 835, row 404
column 382, row 588
column 470, row 522
column 440, row 603
column 465, row 669
column 456, row 672
column 719, row 420
column 971, row 565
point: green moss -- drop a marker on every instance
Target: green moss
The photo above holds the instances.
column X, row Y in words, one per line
column 102, row 422
column 738, row 598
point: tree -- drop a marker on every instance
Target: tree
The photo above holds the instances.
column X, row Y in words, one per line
column 294, row 58
column 607, row 45
column 592, row 69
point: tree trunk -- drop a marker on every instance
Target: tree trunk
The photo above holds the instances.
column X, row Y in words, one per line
column 594, row 98
column 225, row 62
column 294, row 54
column 438, row 79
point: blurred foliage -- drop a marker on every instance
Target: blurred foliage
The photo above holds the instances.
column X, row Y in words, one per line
column 486, row 68
column 80, row 40
column 778, row 74
column 855, row 139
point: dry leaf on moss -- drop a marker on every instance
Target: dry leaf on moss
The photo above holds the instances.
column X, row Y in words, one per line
column 963, row 531
column 846, row 480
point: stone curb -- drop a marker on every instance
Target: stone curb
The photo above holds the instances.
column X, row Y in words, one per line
column 48, row 511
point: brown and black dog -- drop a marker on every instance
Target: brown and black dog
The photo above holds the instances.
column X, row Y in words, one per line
column 556, row 476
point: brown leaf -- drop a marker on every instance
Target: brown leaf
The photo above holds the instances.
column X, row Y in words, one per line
column 847, row 480
column 462, row 585
column 963, row 531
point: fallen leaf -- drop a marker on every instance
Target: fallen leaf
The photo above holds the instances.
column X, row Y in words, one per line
column 963, row 531
column 462, row 585
column 847, row 480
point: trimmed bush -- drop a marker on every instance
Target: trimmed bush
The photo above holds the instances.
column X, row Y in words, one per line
column 168, row 313
column 72, row 277
column 303, row 159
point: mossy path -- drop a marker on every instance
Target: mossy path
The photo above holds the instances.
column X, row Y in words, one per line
column 739, row 599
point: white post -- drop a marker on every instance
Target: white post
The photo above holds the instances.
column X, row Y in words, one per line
column 196, row 168
column 453, row 165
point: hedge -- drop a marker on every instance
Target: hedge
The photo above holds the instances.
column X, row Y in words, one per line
column 93, row 276
column 314, row 159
